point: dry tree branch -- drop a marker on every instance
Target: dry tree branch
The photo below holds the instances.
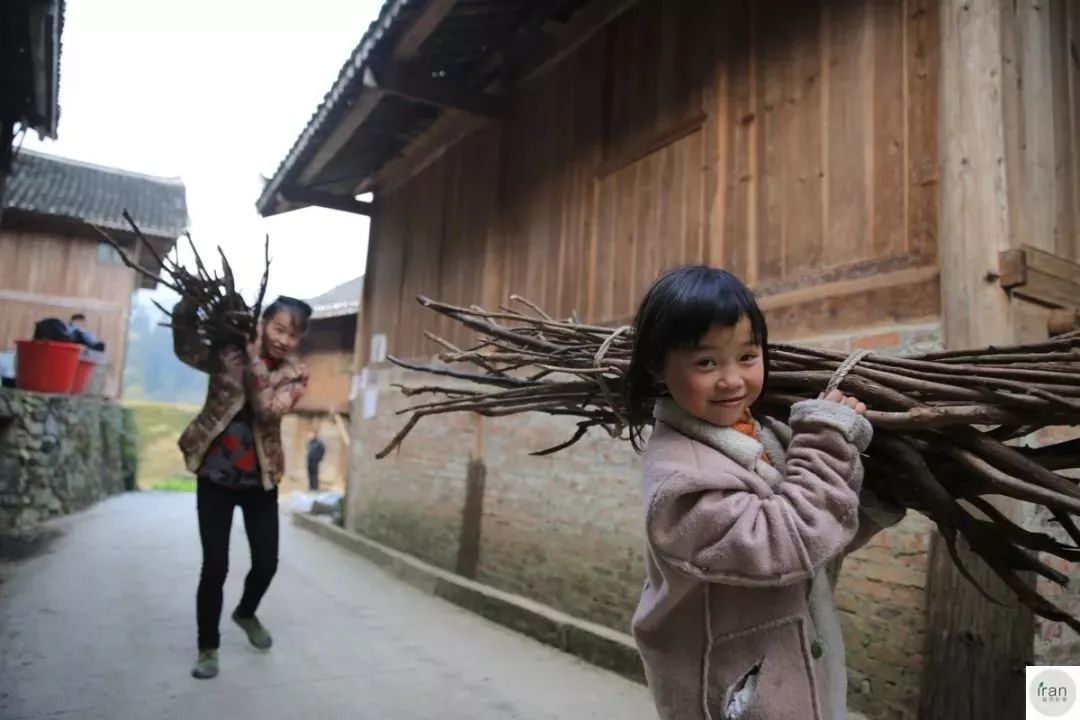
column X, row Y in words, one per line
column 942, row 419
column 222, row 317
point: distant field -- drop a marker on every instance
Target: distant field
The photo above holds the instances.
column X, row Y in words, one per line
column 159, row 426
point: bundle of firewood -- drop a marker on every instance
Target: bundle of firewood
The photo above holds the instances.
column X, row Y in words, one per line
column 949, row 426
column 223, row 317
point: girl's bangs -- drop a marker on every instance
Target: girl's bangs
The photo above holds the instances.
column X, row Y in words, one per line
column 694, row 310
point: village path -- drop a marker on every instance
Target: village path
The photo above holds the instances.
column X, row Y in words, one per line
column 101, row 627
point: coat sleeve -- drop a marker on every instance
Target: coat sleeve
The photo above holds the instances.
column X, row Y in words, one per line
column 273, row 393
column 187, row 345
column 736, row 529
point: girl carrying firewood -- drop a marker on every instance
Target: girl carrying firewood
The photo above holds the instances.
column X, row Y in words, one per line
column 746, row 518
column 234, row 447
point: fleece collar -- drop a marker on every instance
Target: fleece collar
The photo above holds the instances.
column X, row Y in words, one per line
column 740, row 448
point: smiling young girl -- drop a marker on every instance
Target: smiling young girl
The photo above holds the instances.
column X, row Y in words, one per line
column 742, row 513
column 234, row 447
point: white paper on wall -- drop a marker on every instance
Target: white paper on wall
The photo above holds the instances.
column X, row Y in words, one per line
column 371, row 402
column 378, row 348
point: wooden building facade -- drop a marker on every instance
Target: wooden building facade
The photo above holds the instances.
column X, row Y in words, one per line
column 53, row 265
column 327, row 352
column 866, row 166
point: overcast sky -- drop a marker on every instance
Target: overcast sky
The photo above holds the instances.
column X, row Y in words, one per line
column 215, row 92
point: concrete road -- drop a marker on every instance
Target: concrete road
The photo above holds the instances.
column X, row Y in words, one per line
column 101, row 626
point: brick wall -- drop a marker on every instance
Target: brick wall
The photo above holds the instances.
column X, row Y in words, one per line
column 412, row 500
column 562, row 529
column 881, row 593
column 1055, row 642
column 882, row 603
column 565, row 530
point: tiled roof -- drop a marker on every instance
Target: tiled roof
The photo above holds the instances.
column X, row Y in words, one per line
column 59, row 187
column 339, row 94
column 475, row 48
column 31, row 36
column 341, row 300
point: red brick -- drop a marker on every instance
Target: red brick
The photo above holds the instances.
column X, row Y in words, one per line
column 909, row 597
column 897, row 658
column 879, row 553
column 878, row 342
column 894, row 575
column 876, row 590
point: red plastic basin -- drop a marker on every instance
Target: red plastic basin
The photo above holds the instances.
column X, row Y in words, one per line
column 46, row 366
column 83, row 374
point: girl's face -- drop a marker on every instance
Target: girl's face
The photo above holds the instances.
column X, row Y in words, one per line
column 280, row 336
column 720, row 379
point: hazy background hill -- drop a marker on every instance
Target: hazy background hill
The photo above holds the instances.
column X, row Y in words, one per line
column 151, row 371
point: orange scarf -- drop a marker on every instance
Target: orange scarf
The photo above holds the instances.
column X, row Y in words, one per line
column 748, row 427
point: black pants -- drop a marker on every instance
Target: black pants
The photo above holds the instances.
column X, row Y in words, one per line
column 216, row 504
column 313, row 477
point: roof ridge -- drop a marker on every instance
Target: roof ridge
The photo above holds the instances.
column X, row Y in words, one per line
column 170, row 180
column 319, row 301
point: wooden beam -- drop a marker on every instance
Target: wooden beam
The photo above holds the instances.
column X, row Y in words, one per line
column 843, row 288
column 1063, row 321
column 976, row 650
column 650, row 144
column 304, row 196
column 581, row 26
column 1040, row 277
column 343, row 431
column 7, row 135
column 63, row 301
column 424, row 150
column 346, row 128
column 410, row 84
column 422, row 28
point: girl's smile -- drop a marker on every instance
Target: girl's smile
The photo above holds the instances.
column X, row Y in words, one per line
column 281, row 336
column 720, row 378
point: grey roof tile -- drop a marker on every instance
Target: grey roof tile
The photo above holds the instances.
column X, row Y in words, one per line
column 60, row 187
column 341, row 300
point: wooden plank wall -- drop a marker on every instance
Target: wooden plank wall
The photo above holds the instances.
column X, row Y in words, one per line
column 794, row 143
column 327, row 353
column 1043, row 121
column 56, row 275
column 432, row 239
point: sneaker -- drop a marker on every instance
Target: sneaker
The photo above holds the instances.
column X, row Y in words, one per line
column 206, row 666
column 257, row 635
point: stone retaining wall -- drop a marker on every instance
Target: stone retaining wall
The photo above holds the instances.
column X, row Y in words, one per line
column 60, row 454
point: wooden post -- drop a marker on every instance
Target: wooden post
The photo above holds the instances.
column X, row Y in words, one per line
column 976, row 651
column 7, row 128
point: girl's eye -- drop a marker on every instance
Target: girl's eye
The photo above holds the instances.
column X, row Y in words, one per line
column 749, row 357
column 705, row 363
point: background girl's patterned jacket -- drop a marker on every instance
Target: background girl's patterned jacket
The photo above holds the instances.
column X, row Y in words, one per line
column 234, row 381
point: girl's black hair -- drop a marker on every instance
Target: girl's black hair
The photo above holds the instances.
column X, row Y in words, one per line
column 298, row 310
column 676, row 312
